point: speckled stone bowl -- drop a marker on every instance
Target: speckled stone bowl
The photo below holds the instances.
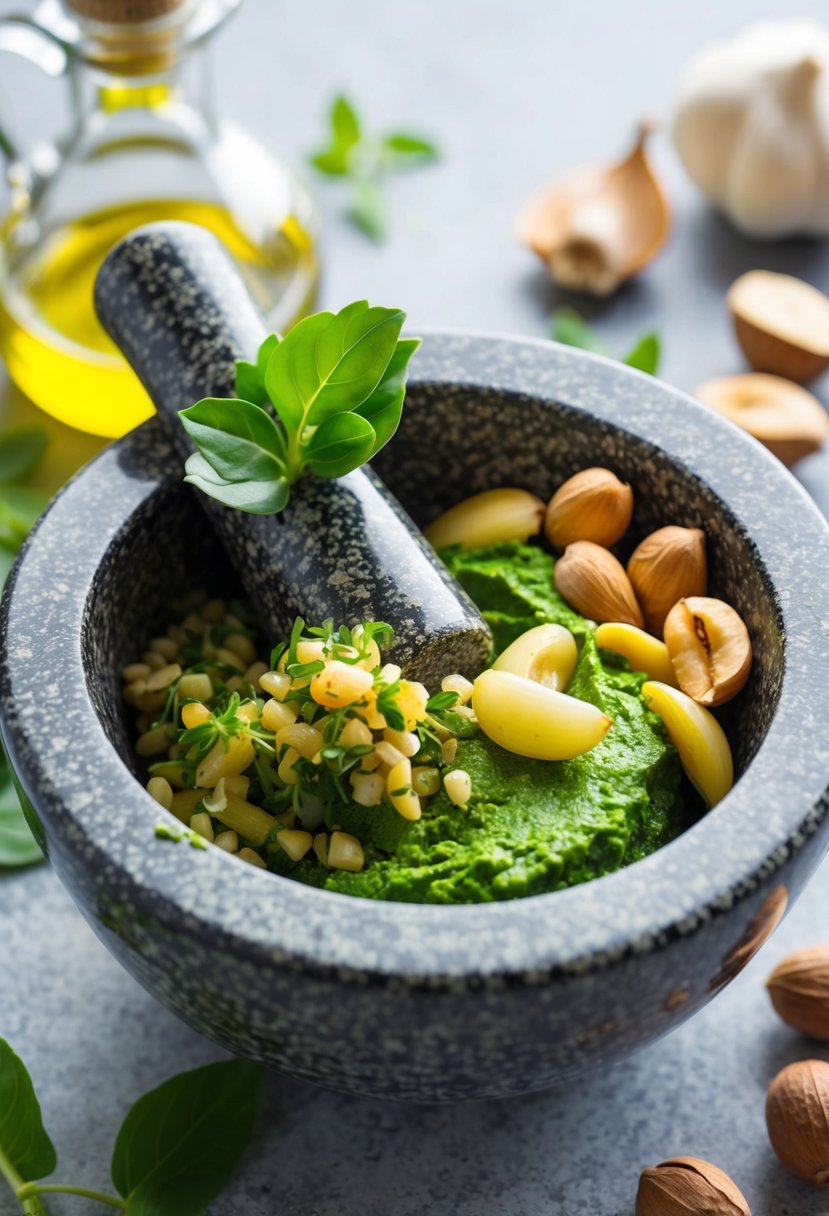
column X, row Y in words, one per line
column 431, row 1003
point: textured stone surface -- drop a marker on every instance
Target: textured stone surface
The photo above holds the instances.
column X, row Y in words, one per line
column 516, row 93
column 484, row 1000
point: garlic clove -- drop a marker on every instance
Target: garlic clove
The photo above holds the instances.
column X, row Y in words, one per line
column 599, row 224
column 530, row 719
column 786, row 418
column 781, row 323
column 487, row 518
column 547, row 654
column 642, row 650
column 704, row 751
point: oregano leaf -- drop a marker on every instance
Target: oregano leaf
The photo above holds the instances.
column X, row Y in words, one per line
column 255, row 497
column 383, row 408
column 180, row 1143
column 646, row 354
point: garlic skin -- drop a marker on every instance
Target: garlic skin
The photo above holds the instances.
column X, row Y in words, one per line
column 599, row 224
column 751, row 126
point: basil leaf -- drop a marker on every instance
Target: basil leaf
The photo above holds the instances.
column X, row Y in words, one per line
column 20, row 450
column 345, row 135
column 646, row 354
column 238, row 439
column 345, row 125
column 255, row 497
column 328, row 364
column 180, row 1143
column 403, row 144
column 290, row 373
column 19, row 510
column 385, row 405
column 368, row 210
column 342, row 443
column 23, row 1138
column 249, row 384
column 572, row 330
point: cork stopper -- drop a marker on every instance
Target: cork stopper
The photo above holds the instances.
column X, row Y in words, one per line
column 124, row 12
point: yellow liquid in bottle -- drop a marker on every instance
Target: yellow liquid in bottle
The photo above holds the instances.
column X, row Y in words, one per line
column 53, row 344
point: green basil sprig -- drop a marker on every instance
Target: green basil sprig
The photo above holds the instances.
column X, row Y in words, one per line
column 364, row 160
column 571, row 329
column 168, row 1159
column 337, row 382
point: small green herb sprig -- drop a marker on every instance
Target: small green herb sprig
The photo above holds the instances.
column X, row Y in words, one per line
column 175, row 1174
column 571, row 329
column 364, row 160
column 337, row 382
column 21, row 450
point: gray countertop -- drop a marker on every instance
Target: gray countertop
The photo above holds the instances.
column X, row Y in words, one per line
column 516, row 93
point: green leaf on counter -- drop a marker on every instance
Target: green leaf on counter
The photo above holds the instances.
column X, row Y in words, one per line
column 180, row 1143
column 20, row 451
column 24, row 1141
column 571, row 329
column 646, row 354
column 412, row 146
column 364, row 159
column 17, row 845
column 20, row 508
column 368, row 210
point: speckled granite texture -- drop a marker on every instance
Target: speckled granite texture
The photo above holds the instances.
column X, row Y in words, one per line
column 483, row 1000
column 176, row 306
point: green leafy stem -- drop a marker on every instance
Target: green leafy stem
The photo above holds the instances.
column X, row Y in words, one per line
column 337, row 383
column 364, row 160
column 571, row 329
column 167, row 1159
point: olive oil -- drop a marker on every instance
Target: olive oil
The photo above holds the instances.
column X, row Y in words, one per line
column 53, row 344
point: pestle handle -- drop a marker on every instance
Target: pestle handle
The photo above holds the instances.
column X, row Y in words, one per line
column 175, row 304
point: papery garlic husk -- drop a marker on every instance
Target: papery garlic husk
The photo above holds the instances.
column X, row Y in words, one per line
column 599, row 224
column 751, row 126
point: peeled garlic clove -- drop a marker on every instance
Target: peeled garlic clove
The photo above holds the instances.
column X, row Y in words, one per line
column 642, row 650
column 709, row 647
column 546, row 654
column 783, row 416
column 529, row 719
column 697, row 736
column 781, row 323
column 594, row 582
column 667, row 565
column 591, row 505
column 600, row 224
column 485, row 519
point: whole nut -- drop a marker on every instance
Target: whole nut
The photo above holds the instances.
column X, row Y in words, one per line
column 799, row 990
column 591, row 505
column 688, row 1186
column 797, row 1117
column 709, row 647
column 594, row 582
column 667, row 565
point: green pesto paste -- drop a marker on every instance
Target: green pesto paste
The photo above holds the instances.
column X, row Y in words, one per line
column 531, row 825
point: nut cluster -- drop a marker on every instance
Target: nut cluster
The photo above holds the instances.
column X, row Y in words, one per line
column 663, row 588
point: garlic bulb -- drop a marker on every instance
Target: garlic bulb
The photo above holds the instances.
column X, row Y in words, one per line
column 751, row 126
column 599, row 224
